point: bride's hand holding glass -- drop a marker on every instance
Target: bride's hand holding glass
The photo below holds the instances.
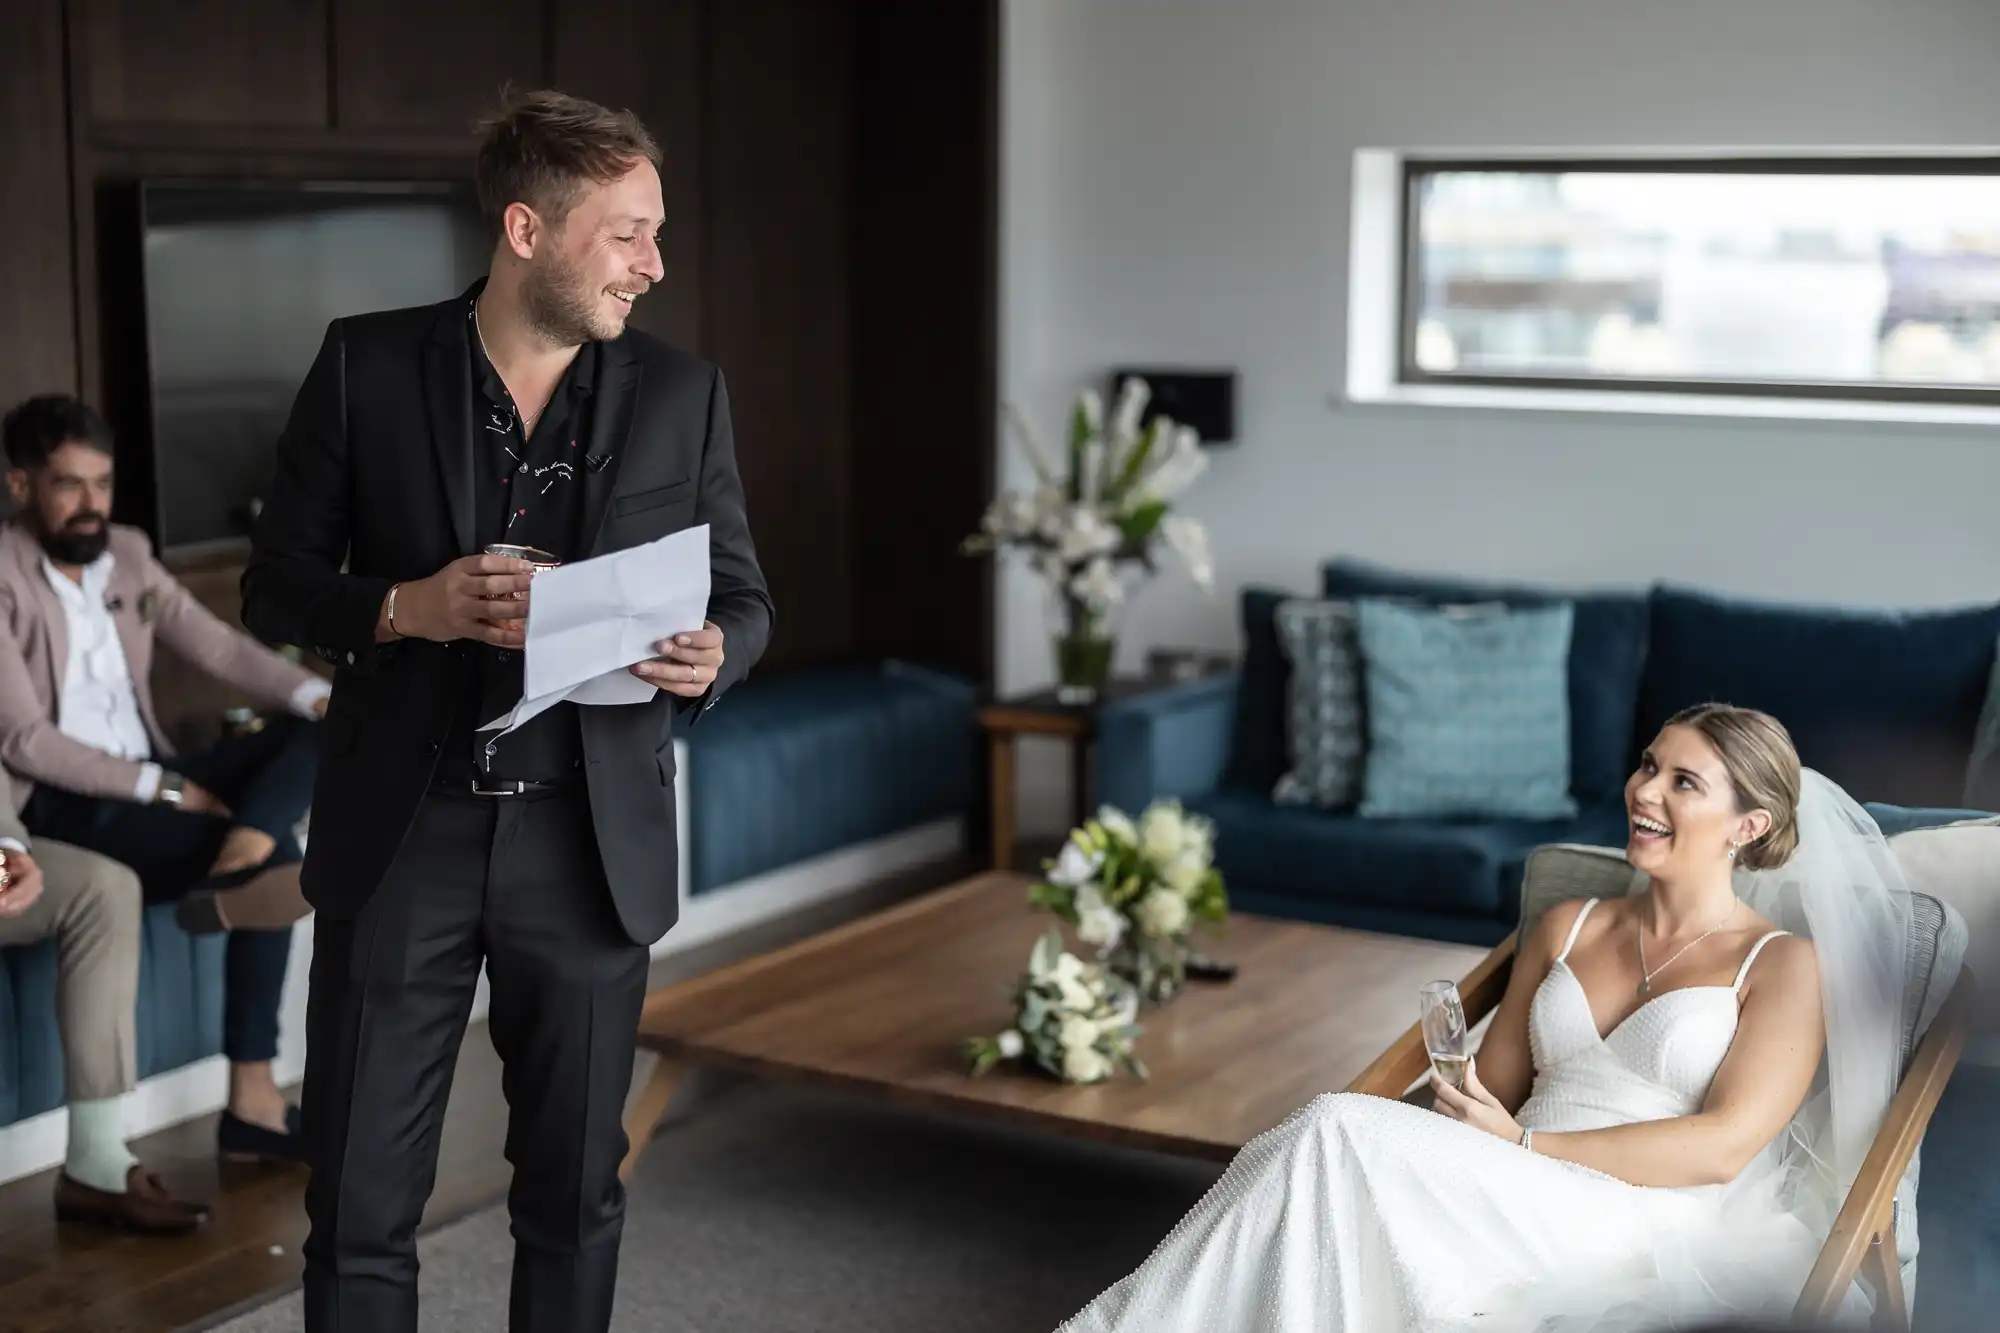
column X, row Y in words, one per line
column 1476, row 1106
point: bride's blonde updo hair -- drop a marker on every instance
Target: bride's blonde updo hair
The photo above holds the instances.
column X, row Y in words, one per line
column 1763, row 767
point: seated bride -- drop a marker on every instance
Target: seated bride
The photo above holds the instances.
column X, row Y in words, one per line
column 1660, row 1123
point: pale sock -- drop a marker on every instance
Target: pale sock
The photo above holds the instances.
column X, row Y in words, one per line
column 98, row 1156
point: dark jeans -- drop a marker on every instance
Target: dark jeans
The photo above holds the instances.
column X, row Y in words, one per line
column 266, row 779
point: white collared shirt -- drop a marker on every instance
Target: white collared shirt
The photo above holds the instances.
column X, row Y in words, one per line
column 99, row 705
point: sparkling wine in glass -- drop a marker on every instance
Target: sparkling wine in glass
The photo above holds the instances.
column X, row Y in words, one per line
column 1442, row 1016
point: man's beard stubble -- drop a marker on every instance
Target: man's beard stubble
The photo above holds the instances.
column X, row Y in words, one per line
column 69, row 545
column 560, row 308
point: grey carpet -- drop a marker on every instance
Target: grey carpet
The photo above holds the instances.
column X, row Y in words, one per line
column 768, row 1209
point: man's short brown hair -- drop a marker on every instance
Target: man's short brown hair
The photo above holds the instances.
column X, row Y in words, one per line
column 541, row 147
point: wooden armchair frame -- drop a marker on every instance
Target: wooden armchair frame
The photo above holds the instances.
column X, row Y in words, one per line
column 1863, row 1241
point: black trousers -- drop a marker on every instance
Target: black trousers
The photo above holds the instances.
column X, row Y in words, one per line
column 518, row 885
column 266, row 778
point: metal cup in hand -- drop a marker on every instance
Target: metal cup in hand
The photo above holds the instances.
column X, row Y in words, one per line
column 534, row 555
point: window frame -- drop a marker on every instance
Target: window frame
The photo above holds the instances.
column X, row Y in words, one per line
column 1413, row 168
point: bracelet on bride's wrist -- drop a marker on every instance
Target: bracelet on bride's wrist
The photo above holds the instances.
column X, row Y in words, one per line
column 1528, row 1139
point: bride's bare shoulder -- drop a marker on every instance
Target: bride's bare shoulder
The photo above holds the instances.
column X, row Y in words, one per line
column 1788, row 965
column 1546, row 940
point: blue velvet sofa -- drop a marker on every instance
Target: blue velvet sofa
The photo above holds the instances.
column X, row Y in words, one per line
column 789, row 768
column 1886, row 704
column 794, row 766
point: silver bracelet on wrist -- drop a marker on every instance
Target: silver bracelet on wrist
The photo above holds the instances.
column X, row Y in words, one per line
column 1528, row 1139
column 389, row 610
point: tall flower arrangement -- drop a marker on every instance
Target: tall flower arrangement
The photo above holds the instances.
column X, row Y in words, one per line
column 1136, row 890
column 1107, row 510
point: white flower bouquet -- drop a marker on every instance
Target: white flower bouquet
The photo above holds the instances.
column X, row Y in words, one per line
column 1110, row 510
column 1137, row 890
column 1072, row 1019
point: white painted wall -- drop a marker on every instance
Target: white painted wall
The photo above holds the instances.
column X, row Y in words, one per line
column 1175, row 189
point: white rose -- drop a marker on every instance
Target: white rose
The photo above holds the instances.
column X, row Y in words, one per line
column 1074, row 866
column 1162, row 913
column 1098, row 922
column 1068, row 978
column 1117, row 825
column 1074, row 994
column 1011, row 1045
column 1083, row 1064
column 1161, row 834
column 1184, row 874
column 1077, row 1032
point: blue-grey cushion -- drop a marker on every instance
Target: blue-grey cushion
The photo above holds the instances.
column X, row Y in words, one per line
column 1326, row 730
column 1257, row 736
column 1468, row 711
column 1467, row 868
column 799, row 765
column 1884, row 703
column 1607, row 652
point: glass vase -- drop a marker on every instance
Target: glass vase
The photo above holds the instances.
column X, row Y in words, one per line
column 1156, row 968
column 1084, row 640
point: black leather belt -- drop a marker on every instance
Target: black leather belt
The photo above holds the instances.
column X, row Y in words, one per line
column 497, row 788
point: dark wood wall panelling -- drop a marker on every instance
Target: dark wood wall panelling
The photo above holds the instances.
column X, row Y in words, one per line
column 829, row 174
column 37, row 305
column 925, row 355
column 778, row 294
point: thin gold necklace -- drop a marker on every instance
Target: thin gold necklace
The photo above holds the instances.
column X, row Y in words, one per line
column 1646, row 978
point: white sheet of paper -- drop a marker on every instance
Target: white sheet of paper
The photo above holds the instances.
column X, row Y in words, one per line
column 588, row 622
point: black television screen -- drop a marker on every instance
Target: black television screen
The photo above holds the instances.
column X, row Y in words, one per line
column 240, row 283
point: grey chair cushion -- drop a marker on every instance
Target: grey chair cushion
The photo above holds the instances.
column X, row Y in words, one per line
column 1934, row 954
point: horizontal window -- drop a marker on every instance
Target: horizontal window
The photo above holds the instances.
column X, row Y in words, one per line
column 1835, row 278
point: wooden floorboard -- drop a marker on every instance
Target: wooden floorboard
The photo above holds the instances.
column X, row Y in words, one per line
column 74, row 1280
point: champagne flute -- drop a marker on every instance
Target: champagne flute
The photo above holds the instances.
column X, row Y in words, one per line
column 1442, row 1017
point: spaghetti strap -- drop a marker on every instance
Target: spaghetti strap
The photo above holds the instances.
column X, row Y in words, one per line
column 1755, row 949
column 1574, row 927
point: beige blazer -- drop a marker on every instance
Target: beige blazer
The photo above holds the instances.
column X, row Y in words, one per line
column 34, row 650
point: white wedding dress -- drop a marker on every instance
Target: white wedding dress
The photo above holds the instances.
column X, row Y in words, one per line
column 1360, row 1213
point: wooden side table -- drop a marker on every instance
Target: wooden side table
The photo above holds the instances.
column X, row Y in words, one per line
column 1042, row 714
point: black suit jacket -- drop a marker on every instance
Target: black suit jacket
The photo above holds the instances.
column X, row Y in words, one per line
column 374, row 486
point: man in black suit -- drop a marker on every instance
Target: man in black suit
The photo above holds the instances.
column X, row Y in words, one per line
column 522, row 412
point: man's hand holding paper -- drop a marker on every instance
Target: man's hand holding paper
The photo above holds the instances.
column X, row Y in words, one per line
column 592, row 624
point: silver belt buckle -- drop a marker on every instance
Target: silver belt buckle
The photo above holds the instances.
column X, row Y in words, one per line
column 515, row 788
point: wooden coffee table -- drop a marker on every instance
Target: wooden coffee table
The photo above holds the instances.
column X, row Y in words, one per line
column 880, row 1006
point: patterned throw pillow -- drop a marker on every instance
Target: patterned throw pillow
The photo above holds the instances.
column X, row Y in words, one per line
column 1468, row 711
column 1326, row 738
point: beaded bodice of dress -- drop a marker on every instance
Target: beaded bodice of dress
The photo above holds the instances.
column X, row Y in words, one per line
column 1656, row 1064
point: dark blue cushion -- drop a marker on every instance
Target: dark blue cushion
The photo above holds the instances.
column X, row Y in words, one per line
column 10, row 1043
column 1256, row 900
column 1607, row 652
column 1257, row 749
column 1462, row 867
column 1884, row 703
column 1894, row 819
column 800, row 765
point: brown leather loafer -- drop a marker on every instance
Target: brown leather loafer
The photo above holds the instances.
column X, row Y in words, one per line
column 146, row 1206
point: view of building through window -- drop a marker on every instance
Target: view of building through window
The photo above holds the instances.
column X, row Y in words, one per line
column 1818, row 280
